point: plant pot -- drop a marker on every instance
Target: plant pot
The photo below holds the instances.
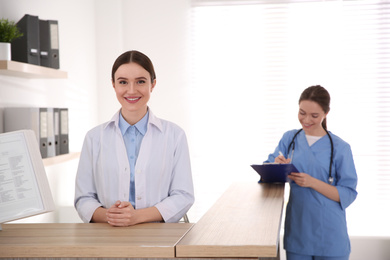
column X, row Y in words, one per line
column 5, row 51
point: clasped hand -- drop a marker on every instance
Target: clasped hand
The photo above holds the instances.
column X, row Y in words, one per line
column 121, row 214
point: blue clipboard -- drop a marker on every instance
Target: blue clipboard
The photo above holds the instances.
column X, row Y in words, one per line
column 272, row 173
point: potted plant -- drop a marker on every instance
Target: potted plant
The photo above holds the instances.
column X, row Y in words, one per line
column 9, row 31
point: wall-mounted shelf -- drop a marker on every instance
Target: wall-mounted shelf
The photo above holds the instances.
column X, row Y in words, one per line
column 60, row 158
column 25, row 70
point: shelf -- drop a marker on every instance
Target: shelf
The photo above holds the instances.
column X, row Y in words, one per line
column 25, row 70
column 60, row 158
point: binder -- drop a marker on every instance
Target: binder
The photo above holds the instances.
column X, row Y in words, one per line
column 24, row 185
column 26, row 48
column 57, row 130
column 40, row 117
column 49, row 43
column 274, row 173
column 51, row 148
column 64, row 131
column 1, row 120
column 36, row 119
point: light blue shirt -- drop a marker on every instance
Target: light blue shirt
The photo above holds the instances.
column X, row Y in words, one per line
column 314, row 224
column 132, row 135
column 163, row 177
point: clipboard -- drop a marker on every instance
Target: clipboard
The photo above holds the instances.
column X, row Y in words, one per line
column 273, row 173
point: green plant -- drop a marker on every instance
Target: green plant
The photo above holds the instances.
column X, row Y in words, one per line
column 9, row 31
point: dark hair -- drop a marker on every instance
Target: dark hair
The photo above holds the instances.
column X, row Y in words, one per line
column 319, row 95
column 136, row 57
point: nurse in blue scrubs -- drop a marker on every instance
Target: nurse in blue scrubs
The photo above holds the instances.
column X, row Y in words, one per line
column 315, row 224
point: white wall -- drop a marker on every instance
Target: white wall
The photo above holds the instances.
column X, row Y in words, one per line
column 110, row 41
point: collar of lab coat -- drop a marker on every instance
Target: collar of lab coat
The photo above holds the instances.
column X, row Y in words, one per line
column 153, row 120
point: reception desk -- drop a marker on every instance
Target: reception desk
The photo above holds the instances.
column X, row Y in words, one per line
column 90, row 240
column 243, row 223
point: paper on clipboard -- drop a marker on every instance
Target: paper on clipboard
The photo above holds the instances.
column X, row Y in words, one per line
column 271, row 173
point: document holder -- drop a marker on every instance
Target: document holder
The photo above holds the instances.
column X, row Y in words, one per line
column 274, row 173
column 25, row 189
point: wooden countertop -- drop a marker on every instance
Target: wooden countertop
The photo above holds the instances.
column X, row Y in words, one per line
column 244, row 222
column 90, row 240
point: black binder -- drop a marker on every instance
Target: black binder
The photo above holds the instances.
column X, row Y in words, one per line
column 26, row 48
column 49, row 43
column 51, row 148
column 57, row 130
column 64, row 131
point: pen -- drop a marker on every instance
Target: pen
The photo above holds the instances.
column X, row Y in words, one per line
column 280, row 153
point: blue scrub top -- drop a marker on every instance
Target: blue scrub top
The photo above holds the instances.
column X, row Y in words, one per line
column 314, row 224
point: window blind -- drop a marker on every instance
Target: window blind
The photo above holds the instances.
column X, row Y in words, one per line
column 251, row 60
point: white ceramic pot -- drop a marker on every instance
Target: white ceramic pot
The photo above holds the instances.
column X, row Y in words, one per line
column 5, row 51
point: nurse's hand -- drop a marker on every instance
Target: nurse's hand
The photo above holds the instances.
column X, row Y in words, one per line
column 281, row 159
column 121, row 214
column 302, row 179
column 305, row 180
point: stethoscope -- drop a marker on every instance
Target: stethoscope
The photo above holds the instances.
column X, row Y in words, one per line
column 330, row 179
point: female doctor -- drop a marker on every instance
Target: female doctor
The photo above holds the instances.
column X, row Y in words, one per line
column 134, row 168
column 315, row 224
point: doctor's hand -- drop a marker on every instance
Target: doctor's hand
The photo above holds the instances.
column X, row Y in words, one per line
column 121, row 214
column 302, row 179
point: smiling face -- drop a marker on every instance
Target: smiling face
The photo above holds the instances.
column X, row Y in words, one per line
column 311, row 116
column 133, row 86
